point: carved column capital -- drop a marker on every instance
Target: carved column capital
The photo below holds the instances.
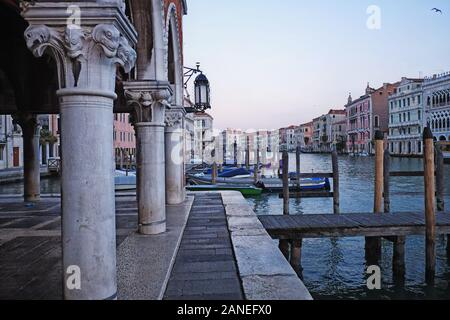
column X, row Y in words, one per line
column 149, row 100
column 86, row 54
column 174, row 119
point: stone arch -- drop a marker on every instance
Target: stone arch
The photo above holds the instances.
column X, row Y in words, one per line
column 141, row 14
column 442, row 138
column 174, row 67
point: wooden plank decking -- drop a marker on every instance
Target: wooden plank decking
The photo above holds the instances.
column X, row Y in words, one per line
column 351, row 225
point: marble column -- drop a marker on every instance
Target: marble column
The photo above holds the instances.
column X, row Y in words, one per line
column 150, row 100
column 174, row 145
column 87, row 56
column 31, row 155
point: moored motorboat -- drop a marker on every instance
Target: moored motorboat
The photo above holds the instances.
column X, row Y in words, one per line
column 246, row 191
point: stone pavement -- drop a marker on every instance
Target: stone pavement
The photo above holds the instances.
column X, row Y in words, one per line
column 205, row 267
column 30, row 247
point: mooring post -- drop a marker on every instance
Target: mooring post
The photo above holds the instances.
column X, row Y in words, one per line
column 296, row 256
column 398, row 260
column 247, row 154
column 386, row 175
column 284, row 248
column 430, row 215
column 284, row 244
column 297, row 170
column 255, row 173
column 373, row 244
column 440, row 181
column 285, row 182
column 335, row 165
column 214, row 174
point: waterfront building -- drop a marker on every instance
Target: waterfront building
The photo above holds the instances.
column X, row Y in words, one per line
column 322, row 130
column 359, row 134
column 304, row 136
column 124, row 140
column 436, row 95
column 380, row 108
column 232, row 141
column 366, row 115
column 11, row 141
column 339, row 135
column 406, row 118
column 203, row 138
column 11, row 144
column 288, row 138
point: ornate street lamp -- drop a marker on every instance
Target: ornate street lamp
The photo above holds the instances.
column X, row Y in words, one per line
column 201, row 89
column 202, row 93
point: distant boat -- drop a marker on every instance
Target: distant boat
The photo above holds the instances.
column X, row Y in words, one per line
column 246, row 191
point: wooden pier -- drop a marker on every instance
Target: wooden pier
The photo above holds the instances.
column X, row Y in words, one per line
column 290, row 230
column 294, row 227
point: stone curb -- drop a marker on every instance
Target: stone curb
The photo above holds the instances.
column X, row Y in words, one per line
column 264, row 271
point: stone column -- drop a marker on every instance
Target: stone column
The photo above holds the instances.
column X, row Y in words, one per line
column 150, row 99
column 174, row 144
column 31, row 155
column 87, row 56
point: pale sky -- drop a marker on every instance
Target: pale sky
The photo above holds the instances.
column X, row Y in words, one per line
column 273, row 63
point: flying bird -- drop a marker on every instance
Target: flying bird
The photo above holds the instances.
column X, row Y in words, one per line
column 437, row 10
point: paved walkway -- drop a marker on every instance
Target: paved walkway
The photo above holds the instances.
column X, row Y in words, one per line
column 30, row 247
column 205, row 267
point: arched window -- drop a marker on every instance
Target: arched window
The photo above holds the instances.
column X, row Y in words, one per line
column 377, row 121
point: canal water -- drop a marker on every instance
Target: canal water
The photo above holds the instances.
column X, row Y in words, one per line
column 335, row 268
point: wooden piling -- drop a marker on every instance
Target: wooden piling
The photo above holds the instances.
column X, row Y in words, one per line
column 285, row 162
column 214, row 174
column 284, row 248
column 335, row 165
column 440, row 181
column 373, row 244
column 247, row 154
column 398, row 260
column 430, row 216
column 255, row 173
column 386, row 185
column 296, row 256
column 297, row 171
column 379, row 172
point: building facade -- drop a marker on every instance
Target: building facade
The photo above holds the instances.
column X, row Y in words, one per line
column 406, row 118
column 124, row 140
column 436, row 96
column 339, row 135
column 288, row 138
column 304, row 136
column 365, row 116
column 322, row 139
column 204, row 140
column 11, row 144
column 359, row 131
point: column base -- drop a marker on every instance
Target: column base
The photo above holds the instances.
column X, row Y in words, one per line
column 153, row 228
column 32, row 198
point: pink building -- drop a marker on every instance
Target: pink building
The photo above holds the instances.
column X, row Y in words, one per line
column 366, row 115
column 359, row 135
column 124, row 139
